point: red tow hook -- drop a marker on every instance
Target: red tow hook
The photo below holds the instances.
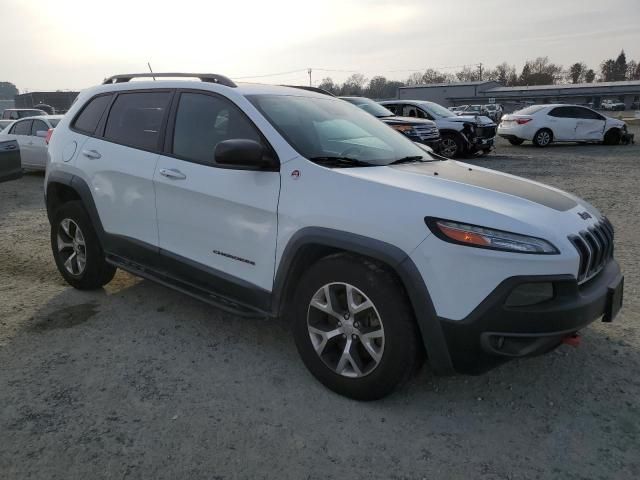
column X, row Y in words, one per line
column 573, row 340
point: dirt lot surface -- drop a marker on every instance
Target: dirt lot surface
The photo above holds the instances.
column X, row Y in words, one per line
column 138, row 381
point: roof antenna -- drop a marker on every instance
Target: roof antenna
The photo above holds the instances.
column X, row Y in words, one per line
column 149, row 64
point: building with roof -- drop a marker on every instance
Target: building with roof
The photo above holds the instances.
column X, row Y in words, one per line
column 60, row 101
column 452, row 94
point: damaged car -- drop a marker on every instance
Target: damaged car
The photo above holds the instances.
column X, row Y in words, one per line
column 461, row 134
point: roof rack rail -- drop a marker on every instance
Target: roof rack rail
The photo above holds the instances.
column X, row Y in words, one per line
column 205, row 77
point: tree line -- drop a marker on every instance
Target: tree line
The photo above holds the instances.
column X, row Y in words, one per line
column 540, row 71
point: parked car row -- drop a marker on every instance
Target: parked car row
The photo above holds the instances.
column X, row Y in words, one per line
column 31, row 134
column 461, row 134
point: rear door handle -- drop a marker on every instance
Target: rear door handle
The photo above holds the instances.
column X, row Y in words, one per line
column 92, row 154
column 172, row 173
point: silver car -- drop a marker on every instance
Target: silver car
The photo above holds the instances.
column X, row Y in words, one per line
column 31, row 134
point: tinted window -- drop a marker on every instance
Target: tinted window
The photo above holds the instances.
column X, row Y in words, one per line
column 136, row 118
column 392, row 108
column 22, row 128
column 90, row 116
column 54, row 122
column 411, row 111
column 588, row 114
column 38, row 126
column 202, row 121
column 562, row 112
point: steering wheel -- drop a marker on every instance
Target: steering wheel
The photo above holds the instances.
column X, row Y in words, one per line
column 355, row 150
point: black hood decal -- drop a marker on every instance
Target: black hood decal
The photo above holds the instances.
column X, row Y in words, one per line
column 456, row 172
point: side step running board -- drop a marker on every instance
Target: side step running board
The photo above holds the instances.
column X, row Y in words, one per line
column 217, row 300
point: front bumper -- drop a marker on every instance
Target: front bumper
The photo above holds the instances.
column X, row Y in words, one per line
column 494, row 332
column 435, row 144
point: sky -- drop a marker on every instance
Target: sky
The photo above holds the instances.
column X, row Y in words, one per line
column 74, row 44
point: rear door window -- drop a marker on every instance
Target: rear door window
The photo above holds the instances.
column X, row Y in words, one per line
column 90, row 116
column 135, row 119
column 38, row 126
column 22, row 128
column 562, row 112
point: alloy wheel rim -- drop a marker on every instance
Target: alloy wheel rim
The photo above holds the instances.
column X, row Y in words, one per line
column 72, row 247
column 449, row 147
column 543, row 138
column 346, row 330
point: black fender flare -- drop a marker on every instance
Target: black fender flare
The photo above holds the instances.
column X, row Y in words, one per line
column 78, row 185
column 392, row 256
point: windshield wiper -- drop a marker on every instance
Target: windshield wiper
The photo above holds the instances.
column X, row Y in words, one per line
column 410, row 159
column 341, row 162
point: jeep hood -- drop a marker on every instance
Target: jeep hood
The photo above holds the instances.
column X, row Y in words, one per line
column 462, row 192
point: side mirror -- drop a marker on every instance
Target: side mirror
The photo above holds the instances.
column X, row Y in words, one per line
column 242, row 154
column 41, row 133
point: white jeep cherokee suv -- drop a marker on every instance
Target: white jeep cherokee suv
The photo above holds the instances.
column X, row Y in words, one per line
column 267, row 201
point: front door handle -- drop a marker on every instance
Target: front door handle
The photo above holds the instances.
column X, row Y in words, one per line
column 10, row 147
column 92, row 154
column 172, row 173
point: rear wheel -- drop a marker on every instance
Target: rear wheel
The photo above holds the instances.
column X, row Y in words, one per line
column 543, row 138
column 76, row 249
column 450, row 145
column 354, row 329
column 516, row 141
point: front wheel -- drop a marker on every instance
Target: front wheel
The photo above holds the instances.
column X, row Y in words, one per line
column 354, row 329
column 612, row 137
column 77, row 250
column 542, row 138
column 450, row 146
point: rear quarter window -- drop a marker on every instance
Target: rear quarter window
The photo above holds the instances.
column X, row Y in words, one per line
column 88, row 119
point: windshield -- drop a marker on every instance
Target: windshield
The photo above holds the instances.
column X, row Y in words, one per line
column 437, row 111
column 368, row 105
column 320, row 128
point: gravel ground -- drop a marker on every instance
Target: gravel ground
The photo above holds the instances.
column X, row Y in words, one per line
column 138, row 381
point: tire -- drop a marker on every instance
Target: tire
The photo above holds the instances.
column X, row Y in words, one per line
column 612, row 137
column 516, row 141
column 78, row 256
column 450, row 145
column 543, row 138
column 387, row 326
column 486, row 151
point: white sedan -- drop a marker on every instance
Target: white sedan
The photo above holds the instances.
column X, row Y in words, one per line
column 544, row 124
column 31, row 135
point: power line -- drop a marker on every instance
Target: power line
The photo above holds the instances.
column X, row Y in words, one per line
column 337, row 70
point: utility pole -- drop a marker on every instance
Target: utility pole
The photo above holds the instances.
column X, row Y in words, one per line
column 309, row 72
column 480, row 70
